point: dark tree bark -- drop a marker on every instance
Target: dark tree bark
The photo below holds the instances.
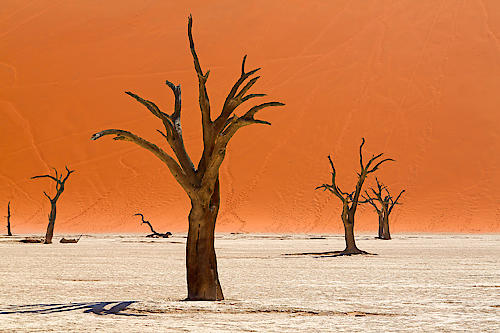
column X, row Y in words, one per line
column 60, row 183
column 9, row 232
column 351, row 200
column 380, row 227
column 200, row 183
column 383, row 202
column 153, row 231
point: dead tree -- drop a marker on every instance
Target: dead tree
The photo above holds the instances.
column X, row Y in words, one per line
column 9, row 233
column 154, row 234
column 383, row 202
column 60, row 182
column 351, row 200
column 201, row 183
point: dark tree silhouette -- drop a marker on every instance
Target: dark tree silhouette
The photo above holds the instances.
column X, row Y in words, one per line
column 200, row 183
column 154, row 234
column 9, row 232
column 351, row 200
column 383, row 202
column 60, row 182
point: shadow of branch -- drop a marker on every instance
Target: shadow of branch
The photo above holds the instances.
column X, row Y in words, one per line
column 99, row 308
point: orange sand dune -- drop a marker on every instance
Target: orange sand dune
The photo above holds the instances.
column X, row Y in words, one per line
column 420, row 80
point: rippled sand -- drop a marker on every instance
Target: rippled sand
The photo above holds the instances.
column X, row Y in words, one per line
column 135, row 284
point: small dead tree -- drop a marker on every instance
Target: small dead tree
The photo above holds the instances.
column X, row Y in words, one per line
column 9, row 233
column 351, row 200
column 383, row 202
column 60, row 182
column 201, row 183
column 154, row 234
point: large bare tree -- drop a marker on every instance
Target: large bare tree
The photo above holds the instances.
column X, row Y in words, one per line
column 9, row 232
column 383, row 202
column 60, row 183
column 350, row 200
column 201, row 183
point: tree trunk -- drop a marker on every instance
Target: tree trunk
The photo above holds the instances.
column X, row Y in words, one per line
column 9, row 233
column 201, row 262
column 50, row 227
column 380, row 226
column 385, row 223
column 350, row 242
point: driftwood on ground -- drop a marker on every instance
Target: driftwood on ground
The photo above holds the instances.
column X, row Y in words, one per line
column 32, row 240
column 70, row 240
column 154, row 233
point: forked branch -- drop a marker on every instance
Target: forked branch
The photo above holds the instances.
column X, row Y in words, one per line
column 173, row 166
column 59, row 180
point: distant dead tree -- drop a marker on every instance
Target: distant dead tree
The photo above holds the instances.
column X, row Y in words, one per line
column 154, row 234
column 383, row 204
column 351, row 200
column 60, row 182
column 9, row 233
column 200, row 183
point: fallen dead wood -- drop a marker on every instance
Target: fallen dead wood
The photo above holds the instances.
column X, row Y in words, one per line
column 70, row 240
column 32, row 240
column 154, row 233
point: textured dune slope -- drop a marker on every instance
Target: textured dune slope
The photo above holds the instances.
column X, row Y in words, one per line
column 418, row 79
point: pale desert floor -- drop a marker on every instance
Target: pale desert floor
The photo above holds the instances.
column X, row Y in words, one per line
column 134, row 284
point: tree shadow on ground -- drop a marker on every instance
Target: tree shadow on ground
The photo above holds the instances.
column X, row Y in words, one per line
column 330, row 254
column 98, row 308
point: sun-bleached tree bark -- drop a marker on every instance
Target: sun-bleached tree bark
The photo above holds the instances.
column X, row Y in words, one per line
column 383, row 202
column 351, row 200
column 201, row 182
column 9, row 232
column 60, row 183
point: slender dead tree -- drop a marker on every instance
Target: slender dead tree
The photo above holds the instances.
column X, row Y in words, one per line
column 154, row 233
column 60, row 182
column 383, row 204
column 351, row 200
column 200, row 183
column 9, row 233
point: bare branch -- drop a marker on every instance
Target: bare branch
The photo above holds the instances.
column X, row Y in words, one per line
column 247, row 87
column 173, row 166
column 68, row 172
column 375, row 168
column 251, row 113
column 361, row 153
column 46, row 176
column 333, row 187
column 150, row 105
column 177, row 94
column 250, row 96
column 192, row 48
column 45, row 193
column 373, row 158
column 233, row 100
column 202, row 79
column 393, row 203
column 370, row 200
column 163, row 134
